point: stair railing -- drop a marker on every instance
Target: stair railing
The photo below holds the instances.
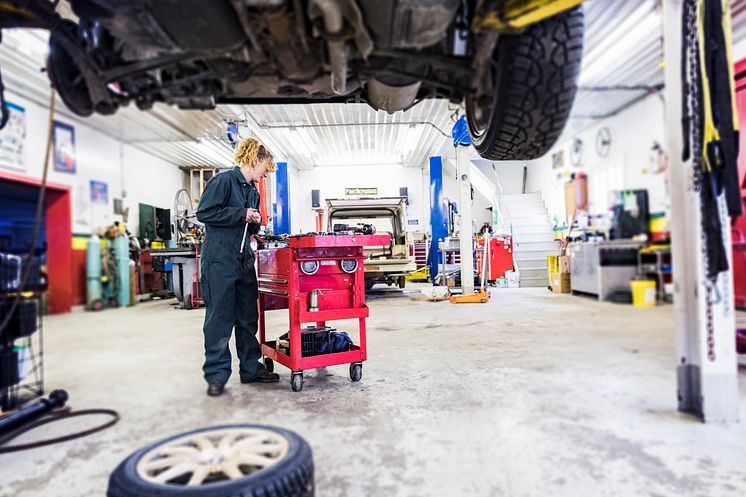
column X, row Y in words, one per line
column 504, row 214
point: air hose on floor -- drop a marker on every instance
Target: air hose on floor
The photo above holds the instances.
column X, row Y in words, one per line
column 43, row 412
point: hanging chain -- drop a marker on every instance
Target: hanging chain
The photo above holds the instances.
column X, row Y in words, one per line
column 698, row 180
column 692, row 61
column 710, row 323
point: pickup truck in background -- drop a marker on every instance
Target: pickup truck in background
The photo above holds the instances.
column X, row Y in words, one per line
column 387, row 265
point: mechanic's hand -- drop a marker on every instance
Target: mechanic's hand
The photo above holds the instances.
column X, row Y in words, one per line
column 253, row 216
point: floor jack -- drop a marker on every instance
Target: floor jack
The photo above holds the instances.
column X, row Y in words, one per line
column 481, row 296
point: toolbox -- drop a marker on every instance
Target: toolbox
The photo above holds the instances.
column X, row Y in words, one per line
column 318, row 278
column 23, row 321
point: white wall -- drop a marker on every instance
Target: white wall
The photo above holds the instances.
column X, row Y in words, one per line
column 483, row 197
column 332, row 182
column 145, row 178
column 627, row 166
column 509, row 173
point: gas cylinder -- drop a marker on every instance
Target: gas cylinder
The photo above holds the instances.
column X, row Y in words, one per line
column 133, row 286
column 122, row 249
column 94, row 290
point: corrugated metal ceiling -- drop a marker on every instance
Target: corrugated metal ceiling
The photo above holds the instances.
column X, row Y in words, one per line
column 623, row 47
column 352, row 134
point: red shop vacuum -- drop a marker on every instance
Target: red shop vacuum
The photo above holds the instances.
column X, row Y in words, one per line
column 318, row 278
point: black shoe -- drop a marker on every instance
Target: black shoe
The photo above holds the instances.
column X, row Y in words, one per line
column 263, row 377
column 215, row 389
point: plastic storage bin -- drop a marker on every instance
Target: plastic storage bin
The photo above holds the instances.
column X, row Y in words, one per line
column 315, row 340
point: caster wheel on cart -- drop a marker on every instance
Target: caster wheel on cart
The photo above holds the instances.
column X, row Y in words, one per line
column 297, row 382
column 356, row 371
column 269, row 365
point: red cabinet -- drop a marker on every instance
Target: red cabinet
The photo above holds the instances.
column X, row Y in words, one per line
column 500, row 257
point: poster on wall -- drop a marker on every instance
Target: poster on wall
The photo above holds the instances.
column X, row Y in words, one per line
column 64, row 148
column 99, row 192
column 12, row 137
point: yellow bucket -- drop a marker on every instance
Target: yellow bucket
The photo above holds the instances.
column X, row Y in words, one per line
column 643, row 293
column 553, row 265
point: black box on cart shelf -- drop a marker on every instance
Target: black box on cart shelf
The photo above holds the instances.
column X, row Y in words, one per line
column 315, row 340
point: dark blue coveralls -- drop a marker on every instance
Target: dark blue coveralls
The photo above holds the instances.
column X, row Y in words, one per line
column 229, row 286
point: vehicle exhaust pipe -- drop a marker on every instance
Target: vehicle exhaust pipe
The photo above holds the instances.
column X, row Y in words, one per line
column 295, row 55
column 334, row 24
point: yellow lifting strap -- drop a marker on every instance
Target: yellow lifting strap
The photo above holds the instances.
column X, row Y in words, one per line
column 515, row 15
column 710, row 133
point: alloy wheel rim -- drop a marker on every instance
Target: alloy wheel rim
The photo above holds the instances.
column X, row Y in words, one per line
column 214, row 456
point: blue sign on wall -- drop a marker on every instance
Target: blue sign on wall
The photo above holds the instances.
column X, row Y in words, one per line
column 99, row 192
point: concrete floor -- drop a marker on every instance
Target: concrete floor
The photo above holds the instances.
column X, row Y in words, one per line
column 532, row 394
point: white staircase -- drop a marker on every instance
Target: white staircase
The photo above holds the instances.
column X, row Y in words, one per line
column 533, row 237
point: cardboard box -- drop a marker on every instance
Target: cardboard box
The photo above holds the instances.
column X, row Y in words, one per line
column 564, row 264
column 560, row 282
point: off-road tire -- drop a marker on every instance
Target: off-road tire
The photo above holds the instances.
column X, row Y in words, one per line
column 535, row 84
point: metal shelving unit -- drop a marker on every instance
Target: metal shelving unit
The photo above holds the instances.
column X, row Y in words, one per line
column 421, row 250
column 22, row 357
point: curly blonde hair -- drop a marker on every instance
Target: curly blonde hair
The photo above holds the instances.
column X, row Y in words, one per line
column 250, row 150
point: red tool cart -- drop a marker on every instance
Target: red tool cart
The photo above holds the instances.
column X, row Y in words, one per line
column 500, row 257
column 317, row 278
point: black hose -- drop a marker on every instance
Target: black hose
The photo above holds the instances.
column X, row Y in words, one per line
column 51, row 418
column 29, row 413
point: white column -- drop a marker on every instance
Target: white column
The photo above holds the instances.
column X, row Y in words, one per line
column 466, row 236
column 706, row 360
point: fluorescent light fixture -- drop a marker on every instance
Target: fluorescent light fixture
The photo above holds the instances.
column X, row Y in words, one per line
column 238, row 111
column 30, row 42
column 356, row 161
column 403, row 142
column 621, row 44
column 308, row 141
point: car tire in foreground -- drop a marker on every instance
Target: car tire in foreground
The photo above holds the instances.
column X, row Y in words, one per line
column 224, row 461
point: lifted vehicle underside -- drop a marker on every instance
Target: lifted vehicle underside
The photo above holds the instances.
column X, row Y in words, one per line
column 514, row 63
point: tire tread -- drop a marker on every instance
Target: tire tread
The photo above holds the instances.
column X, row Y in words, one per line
column 537, row 86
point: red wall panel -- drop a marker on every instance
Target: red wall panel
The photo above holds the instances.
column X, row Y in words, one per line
column 738, row 226
column 77, row 277
column 59, row 241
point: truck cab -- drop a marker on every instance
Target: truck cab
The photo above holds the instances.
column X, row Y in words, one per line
column 388, row 265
